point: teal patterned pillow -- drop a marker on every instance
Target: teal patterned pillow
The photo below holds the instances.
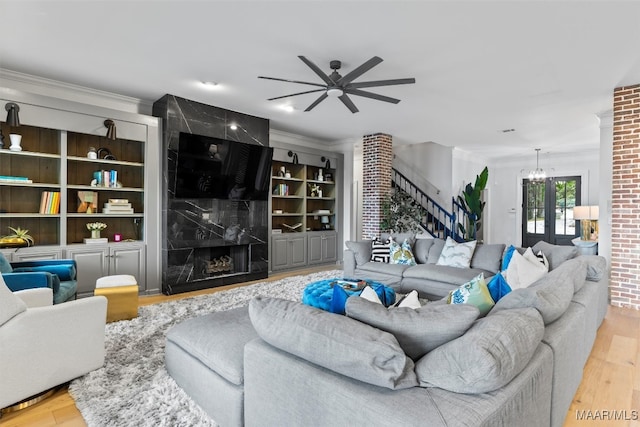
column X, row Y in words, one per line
column 402, row 254
column 456, row 254
column 474, row 292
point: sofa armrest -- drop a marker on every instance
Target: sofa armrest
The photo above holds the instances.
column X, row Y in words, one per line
column 30, row 280
column 36, row 297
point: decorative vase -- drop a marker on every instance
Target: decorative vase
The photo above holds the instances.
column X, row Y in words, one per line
column 95, row 234
column 15, row 142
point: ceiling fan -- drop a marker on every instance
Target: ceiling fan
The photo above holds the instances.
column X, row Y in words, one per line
column 341, row 87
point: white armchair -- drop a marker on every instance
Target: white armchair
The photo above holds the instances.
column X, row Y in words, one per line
column 44, row 345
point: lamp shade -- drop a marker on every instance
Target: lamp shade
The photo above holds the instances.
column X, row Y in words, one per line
column 586, row 212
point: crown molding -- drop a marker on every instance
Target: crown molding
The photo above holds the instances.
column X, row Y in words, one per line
column 73, row 92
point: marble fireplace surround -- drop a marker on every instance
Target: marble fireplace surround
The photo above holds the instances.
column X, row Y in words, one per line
column 209, row 242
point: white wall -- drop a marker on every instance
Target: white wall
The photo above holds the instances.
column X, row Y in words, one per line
column 605, row 179
column 429, row 166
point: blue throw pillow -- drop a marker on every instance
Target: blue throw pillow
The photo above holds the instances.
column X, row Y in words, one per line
column 506, row 259
column 338, row 300
column 498, row 287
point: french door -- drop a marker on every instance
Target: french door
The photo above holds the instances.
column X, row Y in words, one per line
column 547, row 210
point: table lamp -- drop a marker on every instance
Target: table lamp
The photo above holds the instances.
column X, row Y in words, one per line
column 588, row 216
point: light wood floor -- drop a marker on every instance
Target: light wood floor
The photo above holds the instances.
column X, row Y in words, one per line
column 611, row 379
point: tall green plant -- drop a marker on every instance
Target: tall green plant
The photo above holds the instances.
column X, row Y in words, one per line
column 401, row 213
column 471, row 200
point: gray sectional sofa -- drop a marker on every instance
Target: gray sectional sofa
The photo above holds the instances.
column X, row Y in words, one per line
column 432, row 281
column 280, row 362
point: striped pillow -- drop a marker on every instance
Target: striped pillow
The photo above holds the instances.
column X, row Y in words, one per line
column 380, row 252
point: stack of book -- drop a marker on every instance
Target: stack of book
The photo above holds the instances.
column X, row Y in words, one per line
column 15, row 179
column 50, row 202
column 117, row 206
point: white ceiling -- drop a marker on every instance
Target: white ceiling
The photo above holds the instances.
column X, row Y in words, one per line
column 545, row 69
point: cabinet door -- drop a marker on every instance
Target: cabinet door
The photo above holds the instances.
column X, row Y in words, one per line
column 330, row 247
column 128, row 260
column 297, row 250
column 279, row 253
column 92, row 263
column 315, row 248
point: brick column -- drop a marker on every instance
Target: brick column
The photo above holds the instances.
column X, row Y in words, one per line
column 625, row 215
column 377, row 159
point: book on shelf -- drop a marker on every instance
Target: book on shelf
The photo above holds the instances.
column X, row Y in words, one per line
column 93, row 241
column 50, row 202
column 15, row 179
column 117, row 206
column 87, row 202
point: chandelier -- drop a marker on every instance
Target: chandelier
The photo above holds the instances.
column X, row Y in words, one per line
column 537, row 175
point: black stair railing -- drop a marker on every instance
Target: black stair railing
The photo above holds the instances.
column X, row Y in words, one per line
column 437, row 221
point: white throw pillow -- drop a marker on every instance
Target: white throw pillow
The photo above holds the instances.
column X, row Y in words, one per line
column 410, row 300
column 456, row 254
column 524, row 269
column 370, row 295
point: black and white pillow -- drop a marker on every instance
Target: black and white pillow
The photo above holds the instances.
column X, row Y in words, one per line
column 380, row 251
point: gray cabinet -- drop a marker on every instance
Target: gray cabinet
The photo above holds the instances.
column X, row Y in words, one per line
column 323, row 247
column 288, row 251
column 32, row 254
column 107, row 260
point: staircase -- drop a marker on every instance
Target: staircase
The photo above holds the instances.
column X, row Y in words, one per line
column 437, row 221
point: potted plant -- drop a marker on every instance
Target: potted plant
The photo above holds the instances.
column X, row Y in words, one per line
column 471, row 201
column 18, row 239
column 95, row 228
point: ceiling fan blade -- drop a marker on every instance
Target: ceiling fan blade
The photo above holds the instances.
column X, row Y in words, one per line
column 382, row 83
column 354, row 74
column 371, row 95
column 292, row 81
column 348, row 103
column 316, row 102
column 295, row 94
column 317, row 70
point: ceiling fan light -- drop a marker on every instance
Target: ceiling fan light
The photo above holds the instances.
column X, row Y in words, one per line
column 335, row 92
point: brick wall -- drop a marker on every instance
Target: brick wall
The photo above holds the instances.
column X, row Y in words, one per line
column 625, row 215
column 377, row 160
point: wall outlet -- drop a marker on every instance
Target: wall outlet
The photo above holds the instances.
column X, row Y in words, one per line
column 205, row 215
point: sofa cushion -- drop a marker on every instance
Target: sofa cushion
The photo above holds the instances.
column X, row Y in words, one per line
column 488, row 257
column 556, row 254
column 10, row 304
column 380, row 267
column 361, row 249
column 550, row 295
column 380, row 251
column 401, row 254
column 420, row 330
column 335, row 342
column 488, row 356
column 442, row 273
column 435, row 250
column 524, row 269
column 456, row 254
column 474, row 292
column 217, row 340
column 421, row 250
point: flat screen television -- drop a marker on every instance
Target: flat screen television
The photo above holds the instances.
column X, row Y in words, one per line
column 215, row 168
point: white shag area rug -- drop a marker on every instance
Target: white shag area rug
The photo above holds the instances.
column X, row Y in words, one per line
column 133, row 388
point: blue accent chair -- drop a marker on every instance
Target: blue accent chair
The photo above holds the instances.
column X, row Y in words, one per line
column 58, row 274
